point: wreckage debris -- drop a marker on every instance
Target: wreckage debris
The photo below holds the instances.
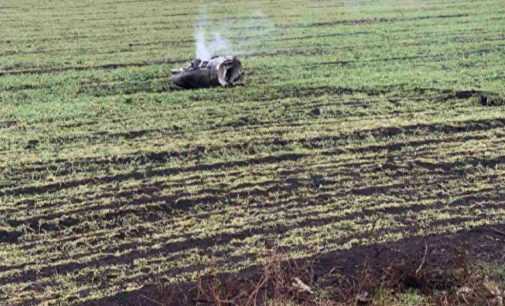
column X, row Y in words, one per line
column 218, row 71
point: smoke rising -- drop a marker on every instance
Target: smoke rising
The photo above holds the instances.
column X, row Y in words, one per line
column 232, row 35
column 205, row 48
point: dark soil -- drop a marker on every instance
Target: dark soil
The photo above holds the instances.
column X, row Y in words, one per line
column 395, row 264
column 9, row 235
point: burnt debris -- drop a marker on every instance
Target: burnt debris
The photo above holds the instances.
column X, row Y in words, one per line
column 218, row 71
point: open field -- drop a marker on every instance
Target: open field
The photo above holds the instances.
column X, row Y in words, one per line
column 361, row 122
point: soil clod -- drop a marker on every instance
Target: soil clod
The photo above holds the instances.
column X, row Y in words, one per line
column 9, row 236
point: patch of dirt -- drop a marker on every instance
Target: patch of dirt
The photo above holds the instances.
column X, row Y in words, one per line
column 421, row 263
column 484, row 98
column 490, row 99
column 9, row 235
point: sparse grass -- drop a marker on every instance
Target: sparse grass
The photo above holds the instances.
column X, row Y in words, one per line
column 361, row 122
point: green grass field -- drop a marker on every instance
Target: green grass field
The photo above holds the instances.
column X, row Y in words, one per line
column 357, row 117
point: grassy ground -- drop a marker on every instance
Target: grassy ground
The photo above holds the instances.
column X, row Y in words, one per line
column 361, row 122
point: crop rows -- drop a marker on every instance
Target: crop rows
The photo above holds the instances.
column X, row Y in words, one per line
column 360, row 122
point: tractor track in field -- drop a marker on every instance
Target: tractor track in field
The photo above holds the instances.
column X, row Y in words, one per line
column 378, row 20
column 209, row 199
column 126, row 49
column 432, row 57
column 256, row 229
column 135, row 201
column 220, row 239
column 138, row 175
column 313, row 217
column 83, row 68
column 37, row 70
column 90, row 165
column 178, row 247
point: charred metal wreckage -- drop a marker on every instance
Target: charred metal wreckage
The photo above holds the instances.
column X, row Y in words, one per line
column 218, row 71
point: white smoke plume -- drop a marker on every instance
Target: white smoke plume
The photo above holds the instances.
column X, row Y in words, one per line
column 205, row 48
column 230, row 37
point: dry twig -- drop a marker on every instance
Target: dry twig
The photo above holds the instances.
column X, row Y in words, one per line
column 423, row 261
column 151, row 300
